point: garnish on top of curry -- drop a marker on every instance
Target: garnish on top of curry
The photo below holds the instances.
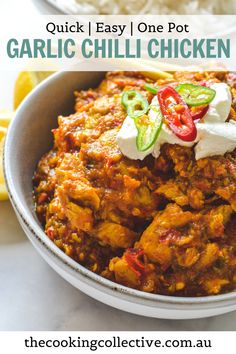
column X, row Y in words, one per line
column 140, row 185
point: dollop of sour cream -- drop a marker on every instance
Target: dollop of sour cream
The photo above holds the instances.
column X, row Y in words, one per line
column 215, row 136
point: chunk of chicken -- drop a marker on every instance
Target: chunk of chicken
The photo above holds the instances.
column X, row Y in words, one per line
column 165, row 222
column 114, row 235
column 80, row 218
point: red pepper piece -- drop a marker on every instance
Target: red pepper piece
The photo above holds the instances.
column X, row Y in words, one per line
column 199, row 112
column 122, row 82
column 203, row 83
column 132, row 257
column 177, row 114
column 170, row 236
column 42, row 198
column 51, row 233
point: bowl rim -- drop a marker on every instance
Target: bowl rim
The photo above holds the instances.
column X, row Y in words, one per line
column 27, row 217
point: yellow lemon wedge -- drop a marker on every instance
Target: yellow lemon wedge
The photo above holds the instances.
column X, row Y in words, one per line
column 25, row 83
column 5, row 118
column 3, row 191
column 3, row 132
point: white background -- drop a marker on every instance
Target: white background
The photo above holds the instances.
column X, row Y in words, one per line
column 32, row 295
column 213, row 342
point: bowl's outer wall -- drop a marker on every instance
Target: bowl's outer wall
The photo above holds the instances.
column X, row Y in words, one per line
column 28, row 138
column 30, row 144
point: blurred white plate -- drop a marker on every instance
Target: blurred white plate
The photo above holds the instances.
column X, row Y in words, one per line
column 71, row 7
column 63, row 10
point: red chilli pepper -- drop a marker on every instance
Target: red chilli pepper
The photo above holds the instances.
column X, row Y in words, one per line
column 203, row 83
column 177, row 114
column 42, row 197
column 199, row 112
column 132, row 257
column 51, row 233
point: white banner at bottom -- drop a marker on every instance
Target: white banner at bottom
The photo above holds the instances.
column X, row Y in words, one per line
column 117, row 342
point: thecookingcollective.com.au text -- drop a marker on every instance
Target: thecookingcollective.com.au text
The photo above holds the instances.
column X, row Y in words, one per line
column 116, row 342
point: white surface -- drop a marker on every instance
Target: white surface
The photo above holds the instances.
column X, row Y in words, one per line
column 34, row 297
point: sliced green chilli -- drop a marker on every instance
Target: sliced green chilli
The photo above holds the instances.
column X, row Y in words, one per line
column 149, row 127
column 135, row 103
column 195, row 95
column 151, row 88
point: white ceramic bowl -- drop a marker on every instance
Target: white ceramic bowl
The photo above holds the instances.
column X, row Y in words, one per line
column 29, row 136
